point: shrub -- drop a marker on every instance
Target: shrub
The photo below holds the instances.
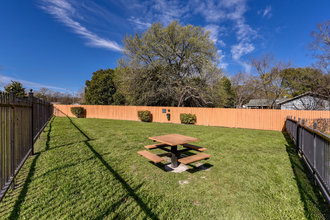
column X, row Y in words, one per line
column 187, row 118
column 144, row 116
column 77, row 111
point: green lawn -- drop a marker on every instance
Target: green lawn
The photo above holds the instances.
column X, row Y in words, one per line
column 90, row 169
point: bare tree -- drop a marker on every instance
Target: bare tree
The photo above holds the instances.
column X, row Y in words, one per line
column 269, row 83
column 244, row 86
column 42, row 93
column 321, row 43
column 321, row 47
column 81, row 95
column 50, row 95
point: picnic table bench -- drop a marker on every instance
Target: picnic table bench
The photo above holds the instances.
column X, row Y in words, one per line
column 151, row 156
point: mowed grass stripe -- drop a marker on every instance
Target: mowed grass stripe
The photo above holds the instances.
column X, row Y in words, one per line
column 90, row 169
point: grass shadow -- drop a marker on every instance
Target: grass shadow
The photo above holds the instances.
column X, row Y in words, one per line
column 204, row 167
column 310, row 194
column 192, row 169
column 115, row 206
column 127, row 187
column 21, row 198
column 64, row 145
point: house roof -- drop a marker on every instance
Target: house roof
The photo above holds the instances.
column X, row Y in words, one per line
column 299, row 96
column 257, row 102
column 262, row 102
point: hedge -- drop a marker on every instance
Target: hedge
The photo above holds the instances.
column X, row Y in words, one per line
column 77, row 111
column 187, row 118
column 144, row 116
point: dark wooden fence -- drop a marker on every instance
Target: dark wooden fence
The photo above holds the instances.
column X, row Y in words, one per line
column 314, row 148
column 22, row 121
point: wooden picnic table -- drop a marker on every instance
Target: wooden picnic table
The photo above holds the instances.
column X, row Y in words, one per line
column 172, row 141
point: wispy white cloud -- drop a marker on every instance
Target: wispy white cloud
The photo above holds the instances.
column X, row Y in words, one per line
column 15, row 75
column 241, row 49
column 222, row 64
column 234, row 10
column 221, row 43
column 279, row 29
column 247, row 66
column 164, row 11
column 138, row 23
column 245, row 32
column 6, row 79
column 67, row 14
column 237, row 13
column 267, row 12
column 221, row 54
column 215, row 29
column 211, row 10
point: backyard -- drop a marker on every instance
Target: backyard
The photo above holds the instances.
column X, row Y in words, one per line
column 89, row 169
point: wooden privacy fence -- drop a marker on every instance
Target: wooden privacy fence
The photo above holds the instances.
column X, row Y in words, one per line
column 22, row 121
column 262, row 119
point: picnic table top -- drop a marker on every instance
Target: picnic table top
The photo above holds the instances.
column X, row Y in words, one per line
column 174, row 139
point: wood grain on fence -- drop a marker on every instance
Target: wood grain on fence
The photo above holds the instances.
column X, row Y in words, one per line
column 263, row 119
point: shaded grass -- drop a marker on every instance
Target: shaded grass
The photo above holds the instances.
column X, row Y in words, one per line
column 90, row 169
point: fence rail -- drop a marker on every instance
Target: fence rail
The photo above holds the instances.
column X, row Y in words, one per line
column 22, row 121
column 314, row 147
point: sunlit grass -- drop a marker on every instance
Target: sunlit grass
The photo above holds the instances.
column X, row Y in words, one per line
column 90, row 169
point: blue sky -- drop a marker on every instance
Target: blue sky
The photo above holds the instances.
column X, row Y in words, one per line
column 59, row 43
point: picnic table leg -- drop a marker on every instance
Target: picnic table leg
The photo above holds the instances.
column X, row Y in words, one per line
column 174, row 159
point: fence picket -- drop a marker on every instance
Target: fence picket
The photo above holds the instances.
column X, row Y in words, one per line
column 18, row 120
column 313, row 146
column 263, row 119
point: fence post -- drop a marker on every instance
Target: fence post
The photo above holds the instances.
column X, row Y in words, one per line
column 12, row 124
column 38, row 120
column 302, row 137
column 314, row 141
column 31, row 122
column 298, row 134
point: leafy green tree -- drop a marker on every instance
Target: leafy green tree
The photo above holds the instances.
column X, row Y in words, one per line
column 170, row 65
column 229, row 92
column 17, row 87
column 300, row 80
column 221, row 93
column 101, row 88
